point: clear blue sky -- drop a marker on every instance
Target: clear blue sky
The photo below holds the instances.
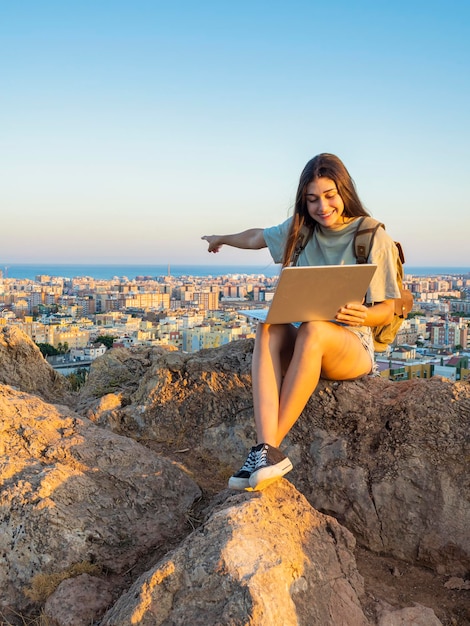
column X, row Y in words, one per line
column 130, row 129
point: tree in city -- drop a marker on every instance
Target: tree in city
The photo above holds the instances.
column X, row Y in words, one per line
column 107, row 340
column 47, row 349
column 78, row 378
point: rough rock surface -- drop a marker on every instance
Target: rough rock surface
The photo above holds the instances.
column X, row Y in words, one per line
column 77, row 601
column 23, row 366
column 168, row 397
column 410, row 616
column 260, row 558
column 389, row 460
column 73, row 492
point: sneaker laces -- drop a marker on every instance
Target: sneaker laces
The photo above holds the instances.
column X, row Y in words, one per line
column 250, row 463
column 261, row 456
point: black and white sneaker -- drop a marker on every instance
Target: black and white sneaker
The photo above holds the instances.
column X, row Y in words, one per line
column 241, row 480
column 271, row 465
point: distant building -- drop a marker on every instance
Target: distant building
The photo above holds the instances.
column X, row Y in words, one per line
column 90, row 352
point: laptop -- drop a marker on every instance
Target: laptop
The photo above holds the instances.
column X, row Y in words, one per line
column 305, row 294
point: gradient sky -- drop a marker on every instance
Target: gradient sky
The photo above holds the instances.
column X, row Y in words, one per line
column 130, row 129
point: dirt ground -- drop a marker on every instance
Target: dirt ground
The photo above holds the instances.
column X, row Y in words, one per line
column 402, row 584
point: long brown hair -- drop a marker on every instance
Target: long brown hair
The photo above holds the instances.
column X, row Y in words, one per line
column 327, row 166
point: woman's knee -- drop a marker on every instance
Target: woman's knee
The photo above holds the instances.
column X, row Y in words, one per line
column 275, row 333
column 313, row 332
column 271, row 330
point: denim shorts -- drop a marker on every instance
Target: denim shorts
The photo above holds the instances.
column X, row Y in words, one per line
column 365, row 337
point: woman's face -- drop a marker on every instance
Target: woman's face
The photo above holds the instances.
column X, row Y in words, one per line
column 324, row 204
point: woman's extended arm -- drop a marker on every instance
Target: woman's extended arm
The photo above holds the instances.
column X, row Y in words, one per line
column 251, row 239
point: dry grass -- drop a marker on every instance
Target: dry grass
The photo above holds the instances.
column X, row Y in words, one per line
column 43, row 585
column 16, row 619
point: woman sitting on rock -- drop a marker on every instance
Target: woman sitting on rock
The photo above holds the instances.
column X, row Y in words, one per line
column 288, row 361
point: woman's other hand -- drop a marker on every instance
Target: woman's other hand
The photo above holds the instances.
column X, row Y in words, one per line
column 353, row 314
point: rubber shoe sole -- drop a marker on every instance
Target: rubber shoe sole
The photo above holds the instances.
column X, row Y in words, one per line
column 269, row 474
column 241, row 484
column 240, row 480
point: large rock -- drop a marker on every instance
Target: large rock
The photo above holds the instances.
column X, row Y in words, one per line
column 387, row 459
column 390, row 461
column 23, row 366
column 260, row 558
column 167, row 396
column 72, row 492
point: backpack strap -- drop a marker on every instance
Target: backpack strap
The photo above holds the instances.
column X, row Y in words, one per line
column 364, row 237
column 302, row 240
column 401, row 254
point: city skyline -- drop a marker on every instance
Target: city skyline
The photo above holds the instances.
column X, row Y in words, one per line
column 63, row 313
column 131, row 130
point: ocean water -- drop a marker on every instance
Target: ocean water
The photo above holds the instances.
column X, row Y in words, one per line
column 107, row 272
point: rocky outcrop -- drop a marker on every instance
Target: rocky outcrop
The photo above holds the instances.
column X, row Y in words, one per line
column 72, row 492
column 23, row 366
column 389, row 460
column 260, row 558
column 169, row 397
column 118, row 500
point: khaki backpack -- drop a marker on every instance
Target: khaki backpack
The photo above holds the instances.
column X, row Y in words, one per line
column 383, row 335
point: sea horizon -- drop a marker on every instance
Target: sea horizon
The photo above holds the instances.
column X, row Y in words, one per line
column 108, row 271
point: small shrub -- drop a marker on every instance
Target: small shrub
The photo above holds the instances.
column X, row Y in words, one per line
column 43, row 585
column 77, row 379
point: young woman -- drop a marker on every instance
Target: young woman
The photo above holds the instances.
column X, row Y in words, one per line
column 288, row 361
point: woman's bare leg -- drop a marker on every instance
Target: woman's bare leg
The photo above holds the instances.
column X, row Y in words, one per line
column 321, row 348
column 316, row 348
column 272, row 354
